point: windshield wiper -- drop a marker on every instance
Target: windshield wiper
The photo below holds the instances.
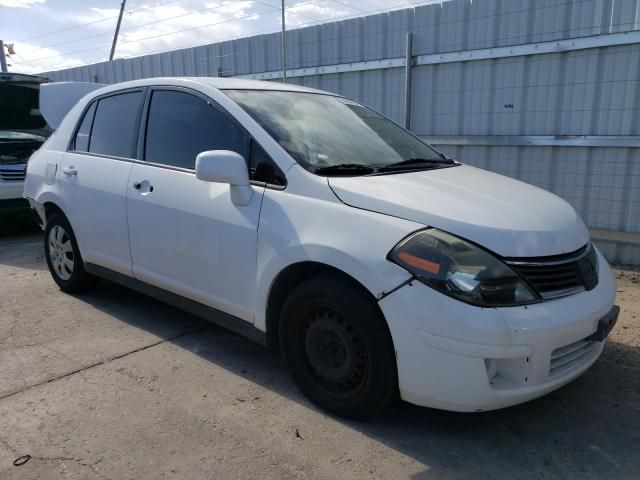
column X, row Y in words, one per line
column 417, row 162
column 345, row 169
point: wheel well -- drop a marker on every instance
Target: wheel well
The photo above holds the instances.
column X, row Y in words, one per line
column 51, row 208
column 288, row 279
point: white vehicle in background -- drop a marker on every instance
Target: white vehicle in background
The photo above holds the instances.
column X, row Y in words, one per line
column 22, row 132
column 306, row 221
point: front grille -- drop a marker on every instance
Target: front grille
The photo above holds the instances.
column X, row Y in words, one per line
column 565, row 359
column 12, row 172
column 560, row 275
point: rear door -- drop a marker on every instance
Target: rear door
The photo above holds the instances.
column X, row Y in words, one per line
column 186, row 235
column 94, row 177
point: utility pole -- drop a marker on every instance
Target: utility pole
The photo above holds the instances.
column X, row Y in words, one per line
column 283, row 49
column 3, row 58
column 115, row 35
column 407, row 81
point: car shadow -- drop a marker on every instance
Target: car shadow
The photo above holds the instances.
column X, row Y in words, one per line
column 18, row 233
column 588, row 429
column 17, row 224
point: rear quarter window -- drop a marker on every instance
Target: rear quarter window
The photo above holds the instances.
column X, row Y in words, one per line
column 81, row 140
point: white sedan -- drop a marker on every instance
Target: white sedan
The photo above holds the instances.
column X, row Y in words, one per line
column 310, row 223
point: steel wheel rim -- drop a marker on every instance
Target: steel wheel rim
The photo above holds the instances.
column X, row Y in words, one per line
column 335, row 353
column 61, row 252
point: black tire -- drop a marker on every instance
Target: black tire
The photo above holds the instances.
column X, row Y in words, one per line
column 337, row 345
column 74, row 279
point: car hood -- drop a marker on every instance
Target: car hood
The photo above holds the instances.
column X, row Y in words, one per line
column 506, row 216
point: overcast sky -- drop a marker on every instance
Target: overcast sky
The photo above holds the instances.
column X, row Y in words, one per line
column 55, row 34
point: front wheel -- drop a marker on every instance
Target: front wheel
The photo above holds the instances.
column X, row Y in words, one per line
column 63, row 256
column 338, row 348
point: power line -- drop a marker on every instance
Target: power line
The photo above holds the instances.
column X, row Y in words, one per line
column 456, row 45
column 344, row 17
column 13, row 57
column 289, row 9
column 192, row 12
column 272, row 30
column 162, row 34
column 351, row 6
column 200, row 59
column 313, row 22
column 75, row 27
column 211, row 24
column 135, row 27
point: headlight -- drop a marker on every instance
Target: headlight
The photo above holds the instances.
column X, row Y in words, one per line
column 460, row 269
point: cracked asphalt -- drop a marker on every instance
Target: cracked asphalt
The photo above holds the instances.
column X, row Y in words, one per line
column 114, row 385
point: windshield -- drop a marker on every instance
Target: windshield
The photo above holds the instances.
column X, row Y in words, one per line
column 322, row 131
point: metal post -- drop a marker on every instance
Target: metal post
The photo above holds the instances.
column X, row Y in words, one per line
column 3, row 58
column 283, row 49
column 115, row 35
column 407, row 81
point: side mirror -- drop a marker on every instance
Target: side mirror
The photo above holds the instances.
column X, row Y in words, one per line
column 225, row 166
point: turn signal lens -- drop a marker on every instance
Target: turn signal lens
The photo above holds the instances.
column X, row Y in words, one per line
column 461, row 269
column 420, row 263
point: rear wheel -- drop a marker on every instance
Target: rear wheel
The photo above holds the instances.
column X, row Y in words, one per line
column 63, row 256
column 337, row 345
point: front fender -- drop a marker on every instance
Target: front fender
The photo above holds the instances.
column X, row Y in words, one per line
column 351, row 240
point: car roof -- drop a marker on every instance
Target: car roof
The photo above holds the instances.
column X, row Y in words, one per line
column 246, row 84
column 66, row 97
column 220, row 83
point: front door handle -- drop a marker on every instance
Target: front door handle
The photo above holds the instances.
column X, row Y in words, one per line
column 144, row 187
column 71, row 171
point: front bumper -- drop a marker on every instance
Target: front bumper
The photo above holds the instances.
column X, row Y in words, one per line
column 11, row 200
column 11, row 190
column 455, row 356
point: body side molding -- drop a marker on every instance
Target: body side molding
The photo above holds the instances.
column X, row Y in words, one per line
column 221, row 319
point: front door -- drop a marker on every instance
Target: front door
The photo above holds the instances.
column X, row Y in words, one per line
column 186, row 235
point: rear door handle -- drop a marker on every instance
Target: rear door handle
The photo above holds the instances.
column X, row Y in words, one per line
column 71, row 171
column 137, row 185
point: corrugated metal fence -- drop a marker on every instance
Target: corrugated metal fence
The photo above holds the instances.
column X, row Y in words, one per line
column 546, row 91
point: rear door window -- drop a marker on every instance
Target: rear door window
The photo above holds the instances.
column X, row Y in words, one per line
column 181, row 125
column 115, row 126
